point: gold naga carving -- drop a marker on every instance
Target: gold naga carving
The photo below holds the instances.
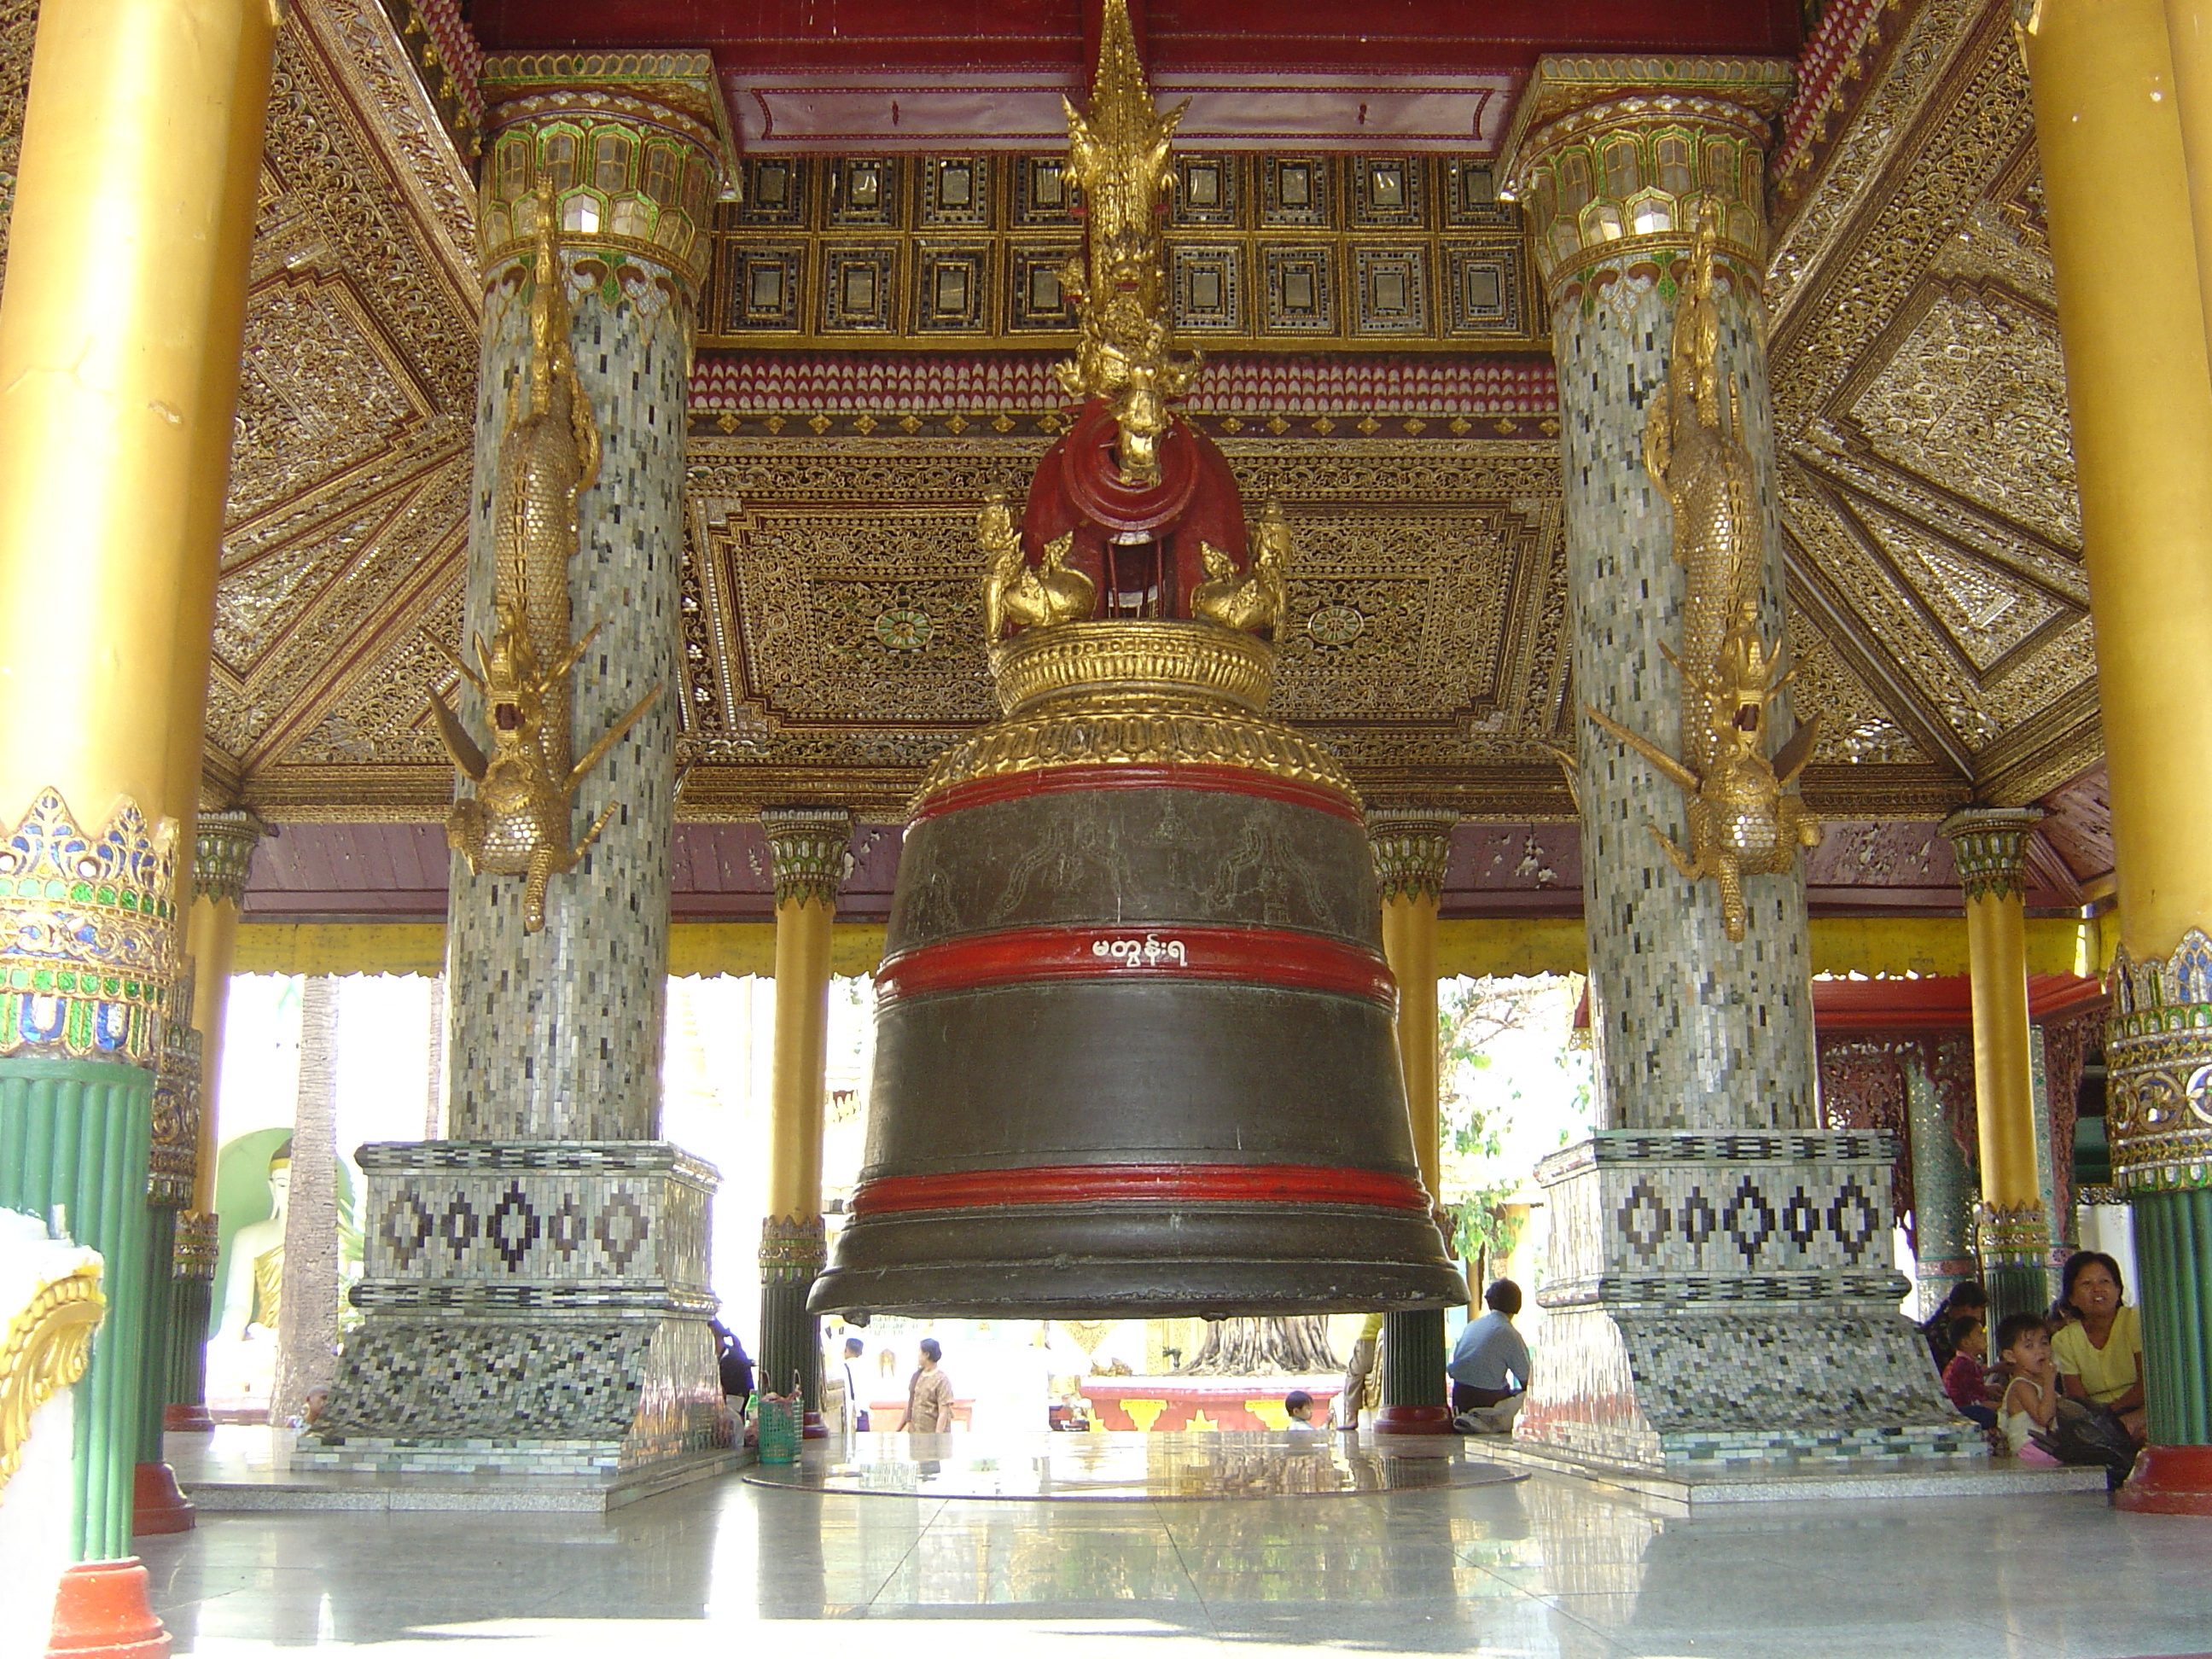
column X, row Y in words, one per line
column 1256, row 600
column 1018, row 593
column 47, row 1346
column 1119, row 157
column 1744, row 817
column 517, row 822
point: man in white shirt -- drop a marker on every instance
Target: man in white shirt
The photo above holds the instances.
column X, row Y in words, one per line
column 1490, row 1365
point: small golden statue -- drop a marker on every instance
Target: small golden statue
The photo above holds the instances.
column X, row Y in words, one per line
column 519, row 821
column 1255, row 602
column 1743, row 819
column 1119, row 156
column 1017, row 592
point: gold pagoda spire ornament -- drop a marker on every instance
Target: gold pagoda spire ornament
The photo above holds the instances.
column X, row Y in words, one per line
column 1744, row 817
column 517, row 822
column 1120, row 157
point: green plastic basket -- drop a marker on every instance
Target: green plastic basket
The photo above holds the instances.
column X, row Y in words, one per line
column 778, row 1429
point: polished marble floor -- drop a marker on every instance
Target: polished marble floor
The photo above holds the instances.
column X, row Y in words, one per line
column 1547, row 1567
column 1123, row 1469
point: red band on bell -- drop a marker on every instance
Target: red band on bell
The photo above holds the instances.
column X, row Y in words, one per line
column 1272, row 957
column 1059, row 779
column 1140, row 1184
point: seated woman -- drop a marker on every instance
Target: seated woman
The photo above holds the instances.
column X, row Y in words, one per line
column 2100, row 1356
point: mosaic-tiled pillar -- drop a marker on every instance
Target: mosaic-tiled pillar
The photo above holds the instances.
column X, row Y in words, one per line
column 1711, row 1222
column 1942, row 1194
column 1411, row 846
column 2013, row 1220
column 129, row 235
column 809, row 857
column 224, row 845
column 539, row 1279
column 2139, row 394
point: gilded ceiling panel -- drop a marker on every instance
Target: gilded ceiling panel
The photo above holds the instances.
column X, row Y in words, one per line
column 1927, row 478
column 1971, row 396
column 337, row 396
column 1986, row 617
column 18, row 22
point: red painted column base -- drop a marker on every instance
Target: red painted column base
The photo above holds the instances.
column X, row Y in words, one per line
column 811, row 1427
column 157, row 1505
column 101, row 1612
column 1413, row 1419
column 2169, row 1480
column 187, row 1419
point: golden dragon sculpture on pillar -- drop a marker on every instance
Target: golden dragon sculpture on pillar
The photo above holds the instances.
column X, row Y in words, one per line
column 519, row 821
column 1744, row 817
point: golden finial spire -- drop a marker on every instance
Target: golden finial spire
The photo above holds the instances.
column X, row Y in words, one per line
column 1121, row 157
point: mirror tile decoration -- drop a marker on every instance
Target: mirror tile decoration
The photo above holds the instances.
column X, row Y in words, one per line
column 1392, row 251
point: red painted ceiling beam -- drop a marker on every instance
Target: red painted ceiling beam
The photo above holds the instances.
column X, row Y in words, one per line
column 1182, row 36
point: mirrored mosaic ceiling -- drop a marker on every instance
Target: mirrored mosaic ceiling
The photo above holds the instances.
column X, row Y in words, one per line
column 880, row 335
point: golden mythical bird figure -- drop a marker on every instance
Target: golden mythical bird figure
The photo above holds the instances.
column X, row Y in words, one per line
column 1017, row 592
column 1256, row 600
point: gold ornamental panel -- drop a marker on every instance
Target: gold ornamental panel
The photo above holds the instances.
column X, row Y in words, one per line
column 1152, row 658
column 1614, row 157
column 630, row 146
column 47, row 1346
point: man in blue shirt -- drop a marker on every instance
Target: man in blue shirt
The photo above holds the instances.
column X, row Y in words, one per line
column 1490, row 1365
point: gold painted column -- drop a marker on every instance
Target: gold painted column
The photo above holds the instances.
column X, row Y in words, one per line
column 223, row 846
column 808, row 850
column 1412, row 846
column 2014, row 1231
column 118, row 328
column 2131, row 314
column 2188, row 37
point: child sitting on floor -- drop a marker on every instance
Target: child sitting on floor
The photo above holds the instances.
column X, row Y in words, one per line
column 1964, row 1379
column 2030, row 1401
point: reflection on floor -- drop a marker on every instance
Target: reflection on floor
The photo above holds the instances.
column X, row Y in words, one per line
column 1126, row 1468
column 1542, row 1567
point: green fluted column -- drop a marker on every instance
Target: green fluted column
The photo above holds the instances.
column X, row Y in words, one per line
column 160, row 1342
column 73, row 1134
column 2174, row 1252
column 1413, row 1372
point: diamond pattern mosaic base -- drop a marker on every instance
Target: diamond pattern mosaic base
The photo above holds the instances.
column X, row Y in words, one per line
column 544, row 1301
column 534, row 1224
column 1729, row 1298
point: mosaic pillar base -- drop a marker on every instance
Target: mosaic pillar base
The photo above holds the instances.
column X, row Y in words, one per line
column 1729, row 1298
column 531, row 1307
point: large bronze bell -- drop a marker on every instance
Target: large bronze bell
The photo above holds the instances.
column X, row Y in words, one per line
column 1133, row 1045
column 1133, row 1053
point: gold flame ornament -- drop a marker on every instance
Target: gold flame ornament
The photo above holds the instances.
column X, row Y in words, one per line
column 1120, row 156
column 1744, row 817
column 517, row 822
